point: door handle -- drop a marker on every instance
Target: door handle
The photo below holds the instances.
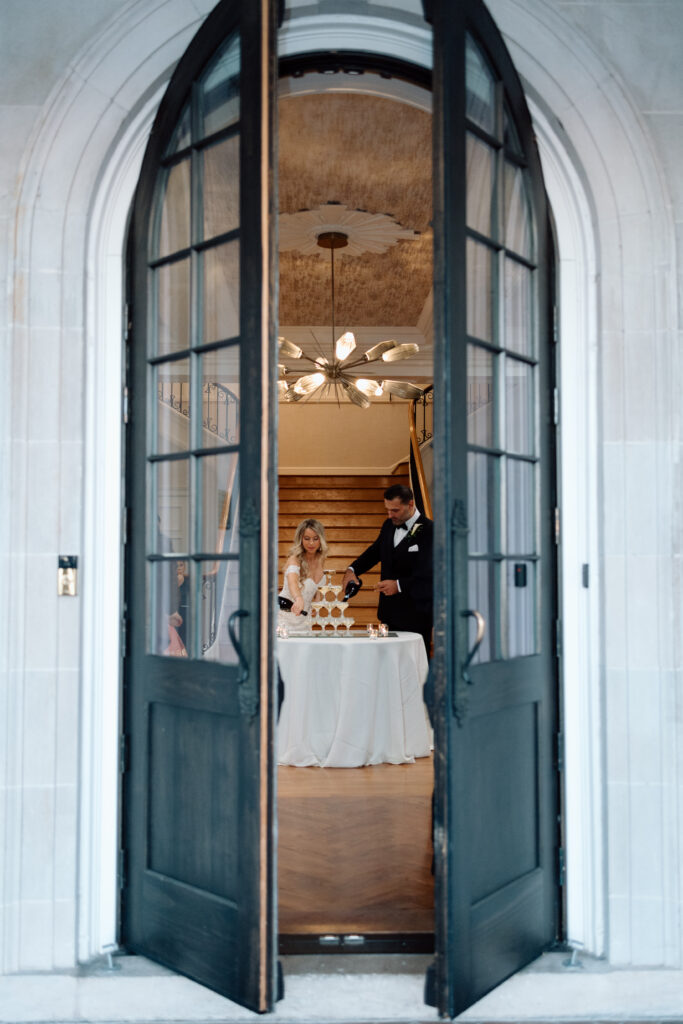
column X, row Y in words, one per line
column 243, row 674
column 481, row 629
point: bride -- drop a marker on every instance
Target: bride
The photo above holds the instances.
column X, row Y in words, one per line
column 303, row 573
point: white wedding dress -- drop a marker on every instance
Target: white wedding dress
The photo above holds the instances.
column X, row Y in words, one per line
column 309, row 588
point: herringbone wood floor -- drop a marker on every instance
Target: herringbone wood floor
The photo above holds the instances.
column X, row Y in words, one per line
column 355, row 849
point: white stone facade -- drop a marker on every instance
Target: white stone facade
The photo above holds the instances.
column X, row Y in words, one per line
column 80, row 86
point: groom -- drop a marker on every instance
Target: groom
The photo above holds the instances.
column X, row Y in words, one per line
column 404, row 549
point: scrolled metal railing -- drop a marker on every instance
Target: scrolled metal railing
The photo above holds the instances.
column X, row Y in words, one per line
column 220, row 406
column 221, row 412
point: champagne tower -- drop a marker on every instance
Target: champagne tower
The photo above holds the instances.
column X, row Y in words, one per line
column 330, row 612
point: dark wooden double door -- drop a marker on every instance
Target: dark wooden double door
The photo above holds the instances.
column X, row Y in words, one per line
column 199, row 890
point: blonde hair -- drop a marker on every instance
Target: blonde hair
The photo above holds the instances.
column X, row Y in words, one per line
column 297, row 548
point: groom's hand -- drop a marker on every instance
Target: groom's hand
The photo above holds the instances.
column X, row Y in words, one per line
column 387, row 587
column 349, row 575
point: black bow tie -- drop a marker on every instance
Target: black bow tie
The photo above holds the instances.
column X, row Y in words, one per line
column 401, row 526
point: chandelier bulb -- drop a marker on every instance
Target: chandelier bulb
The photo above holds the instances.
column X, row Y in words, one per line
column 356, row 396
column 372, row 388
column 310, row 382
column 288, row 348
column 402, row 389
column 400, row 352
column 378, row 350
column 346, row 343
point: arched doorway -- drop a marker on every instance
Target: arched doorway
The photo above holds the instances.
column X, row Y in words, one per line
column 354, row 156
column 200, row 794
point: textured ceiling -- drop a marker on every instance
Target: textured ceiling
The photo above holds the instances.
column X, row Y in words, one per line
column 371, row 154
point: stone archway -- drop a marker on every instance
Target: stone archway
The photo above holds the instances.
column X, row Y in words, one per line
column 79, row 173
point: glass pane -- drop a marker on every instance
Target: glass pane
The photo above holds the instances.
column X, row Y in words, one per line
column 520, row 506
column 172, row 284
column 481, row 584
column 517, row 213
column 218, row 484
column 479, row 291
column 510, row 134
column 521, row 600
column 221, row 89
column 482, row 503
column 480, row 86
column 519, row 323
column 173, row 407
column 518, row 407
column 218, row 596
column 171, row 482
column 221, row 290
column 480, row 428
column 174, row 229
column 221, row 187
column 479, row 185
column 182, row 135
column 168, row 634
column 220, row 397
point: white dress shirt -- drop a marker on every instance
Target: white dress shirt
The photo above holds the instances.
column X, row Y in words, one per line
column 400, row 532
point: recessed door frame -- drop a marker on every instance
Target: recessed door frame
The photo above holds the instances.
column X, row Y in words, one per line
column 98, row 840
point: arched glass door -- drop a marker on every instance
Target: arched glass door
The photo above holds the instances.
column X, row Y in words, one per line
column 199, row 886
column 198, row 893
column 495, row 657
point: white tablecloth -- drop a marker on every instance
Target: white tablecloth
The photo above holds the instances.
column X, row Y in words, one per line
column 352, row 701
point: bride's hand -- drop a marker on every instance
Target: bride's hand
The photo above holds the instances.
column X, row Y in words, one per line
column 298, row 606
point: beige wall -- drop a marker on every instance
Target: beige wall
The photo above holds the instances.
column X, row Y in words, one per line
column 322, row 436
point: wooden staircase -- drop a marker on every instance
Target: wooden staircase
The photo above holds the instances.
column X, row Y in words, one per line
column 351, row 508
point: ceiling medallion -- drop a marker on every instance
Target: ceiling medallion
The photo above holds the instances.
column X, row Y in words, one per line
column 332, row 375
column 365, row 232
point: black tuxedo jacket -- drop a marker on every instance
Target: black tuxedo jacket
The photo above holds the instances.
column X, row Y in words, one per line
column 411, row 563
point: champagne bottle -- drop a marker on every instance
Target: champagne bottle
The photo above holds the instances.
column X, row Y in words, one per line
column 352, row 589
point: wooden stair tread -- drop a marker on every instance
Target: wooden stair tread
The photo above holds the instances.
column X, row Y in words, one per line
column 377, row 482
column 317, row 493
column 321, row 505
column 355, row 519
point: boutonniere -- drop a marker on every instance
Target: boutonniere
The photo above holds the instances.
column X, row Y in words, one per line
column 415, row 530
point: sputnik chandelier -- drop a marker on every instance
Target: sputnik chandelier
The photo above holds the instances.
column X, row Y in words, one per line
column 335, row 375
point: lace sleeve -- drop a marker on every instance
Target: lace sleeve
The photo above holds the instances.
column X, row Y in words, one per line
column 292, row 568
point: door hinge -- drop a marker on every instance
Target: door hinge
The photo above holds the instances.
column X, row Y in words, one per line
column 556, row 519
column 124, row 404
column 430, row 989
column 560, row 865
column 126, row 321
column 124, row 635
column 558, row 638
column 124, row 524
column 556, row 406
column 124, row 753
column 122, row 869
column 556, row 328
column 559, row 753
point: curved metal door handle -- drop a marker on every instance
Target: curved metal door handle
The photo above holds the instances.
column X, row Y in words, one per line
column 244, row 664
column 481, row 629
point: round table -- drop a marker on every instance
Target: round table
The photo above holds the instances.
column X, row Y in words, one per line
column 352, row 700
